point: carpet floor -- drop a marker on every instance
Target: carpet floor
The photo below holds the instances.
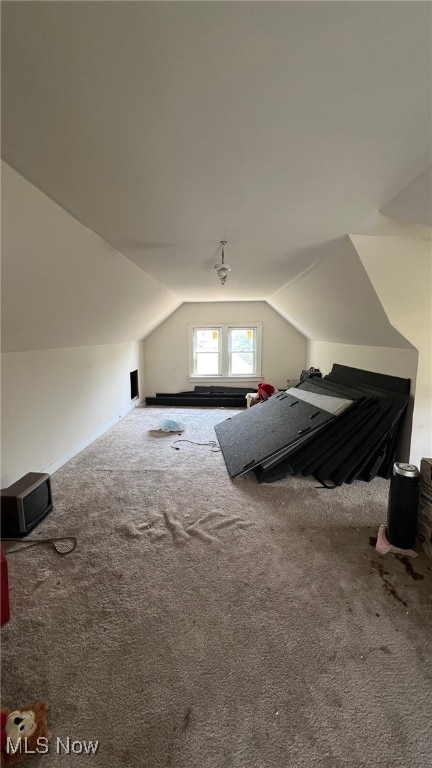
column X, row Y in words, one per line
column 208, row 623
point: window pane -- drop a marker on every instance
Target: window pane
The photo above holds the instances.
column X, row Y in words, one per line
column 242, row 339
column 207, row 363
column 207, row 340
column 242, row 362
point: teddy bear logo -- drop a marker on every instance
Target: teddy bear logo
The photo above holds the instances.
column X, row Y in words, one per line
column 23, row 732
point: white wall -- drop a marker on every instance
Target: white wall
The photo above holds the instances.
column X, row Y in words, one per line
column 166, row 351
column 73, row 312
column 55, row 402
column 400, row 269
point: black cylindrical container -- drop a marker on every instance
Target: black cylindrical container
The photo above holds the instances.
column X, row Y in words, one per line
column 402, row 506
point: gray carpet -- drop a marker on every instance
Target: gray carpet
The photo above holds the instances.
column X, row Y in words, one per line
column 209, row 623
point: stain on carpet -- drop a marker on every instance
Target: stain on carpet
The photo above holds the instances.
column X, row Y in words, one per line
column 187, row 719
column 388, row 586
column 409, row 567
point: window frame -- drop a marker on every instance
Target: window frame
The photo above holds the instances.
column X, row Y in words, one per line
column 192, row 361
column 224, row 330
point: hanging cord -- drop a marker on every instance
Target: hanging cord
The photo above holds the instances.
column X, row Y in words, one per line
column 61, row 550
column 212, row 443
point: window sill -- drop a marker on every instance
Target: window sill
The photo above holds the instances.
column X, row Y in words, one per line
column 224, row 379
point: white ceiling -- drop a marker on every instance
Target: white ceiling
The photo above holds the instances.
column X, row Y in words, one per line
column 168, row 126
column 414, row 203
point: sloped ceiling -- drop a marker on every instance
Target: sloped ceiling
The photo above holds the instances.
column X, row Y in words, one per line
column 414, row 203
column 62, row 285
column 165, row 127
column 334, row 299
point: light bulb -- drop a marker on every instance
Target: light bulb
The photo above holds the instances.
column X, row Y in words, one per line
column 222, row 270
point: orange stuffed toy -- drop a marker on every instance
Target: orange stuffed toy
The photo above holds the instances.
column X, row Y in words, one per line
column 23, row 732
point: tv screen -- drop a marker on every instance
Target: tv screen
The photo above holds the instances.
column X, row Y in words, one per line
column 35, row 502
column 25, row 503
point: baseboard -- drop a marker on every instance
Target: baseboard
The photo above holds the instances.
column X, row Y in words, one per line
column 90, row 438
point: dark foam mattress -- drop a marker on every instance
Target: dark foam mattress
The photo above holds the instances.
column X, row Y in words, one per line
column 278, row 438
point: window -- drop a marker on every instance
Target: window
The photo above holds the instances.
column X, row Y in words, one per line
column 241, row 351
column 207, row 348
column 226, row 351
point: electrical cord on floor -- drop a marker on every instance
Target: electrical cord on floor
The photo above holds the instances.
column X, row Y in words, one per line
column 53, row 542
column 212, row 443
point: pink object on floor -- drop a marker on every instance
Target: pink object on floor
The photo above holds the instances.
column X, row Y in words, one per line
column 383, row 545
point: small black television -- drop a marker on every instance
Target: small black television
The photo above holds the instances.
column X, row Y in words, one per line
column 24, row 504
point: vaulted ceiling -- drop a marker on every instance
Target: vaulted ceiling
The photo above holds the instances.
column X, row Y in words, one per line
column 280, row 127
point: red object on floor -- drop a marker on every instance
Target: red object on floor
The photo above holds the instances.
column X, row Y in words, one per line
column 265, row 390
column 4, row 590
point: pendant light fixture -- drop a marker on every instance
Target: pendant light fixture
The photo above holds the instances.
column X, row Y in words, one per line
column 222, row 269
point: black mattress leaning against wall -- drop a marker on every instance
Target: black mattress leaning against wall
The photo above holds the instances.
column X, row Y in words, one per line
column 358, row 443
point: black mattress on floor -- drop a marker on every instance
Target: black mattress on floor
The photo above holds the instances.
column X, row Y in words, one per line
column 202, row 397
